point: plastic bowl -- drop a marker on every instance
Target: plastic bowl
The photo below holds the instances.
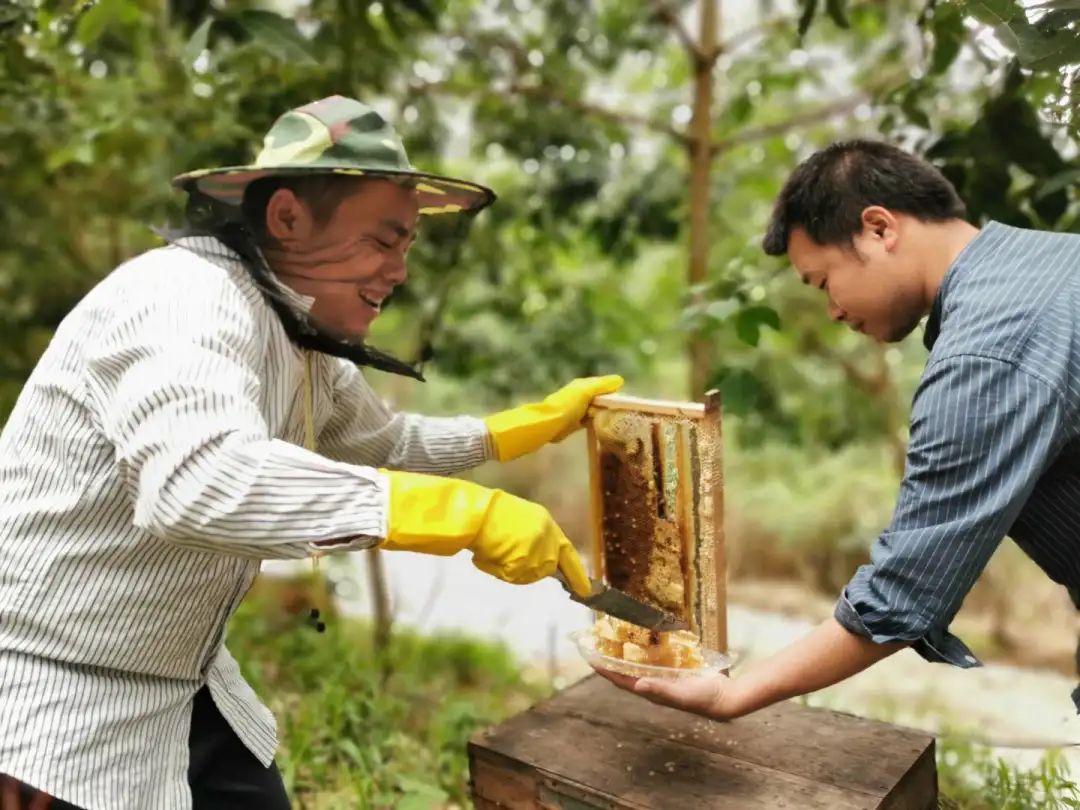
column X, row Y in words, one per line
column 715, row 663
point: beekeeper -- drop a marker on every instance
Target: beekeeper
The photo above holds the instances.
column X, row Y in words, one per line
column 203, row 409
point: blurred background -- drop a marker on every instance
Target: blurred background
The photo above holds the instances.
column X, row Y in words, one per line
column 636, row 147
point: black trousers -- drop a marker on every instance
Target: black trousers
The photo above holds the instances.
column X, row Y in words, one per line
column 222, row 773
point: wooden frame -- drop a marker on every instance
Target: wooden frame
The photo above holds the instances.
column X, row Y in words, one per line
column 699, row 466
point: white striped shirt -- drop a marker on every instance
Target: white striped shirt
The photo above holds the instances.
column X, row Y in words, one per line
column 150, row 463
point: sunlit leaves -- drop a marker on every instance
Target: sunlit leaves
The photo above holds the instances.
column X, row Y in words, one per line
column 1050, row 42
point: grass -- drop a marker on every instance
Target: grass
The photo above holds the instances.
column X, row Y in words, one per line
column 970, row 777
column 364, row 730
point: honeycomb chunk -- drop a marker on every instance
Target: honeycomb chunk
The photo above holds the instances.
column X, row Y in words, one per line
column 619, row 639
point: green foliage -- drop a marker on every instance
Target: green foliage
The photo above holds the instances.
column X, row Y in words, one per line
column 807, row 514
column 970, row 777
column 352, row 737
column 579, row 268
column 835, row 9
column 1048, row 43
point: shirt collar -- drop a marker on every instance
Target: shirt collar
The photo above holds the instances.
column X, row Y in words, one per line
column 937, row 309
column 212, row 247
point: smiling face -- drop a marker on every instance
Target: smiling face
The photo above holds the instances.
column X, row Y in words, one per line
column 875, row 284
column 351, row 262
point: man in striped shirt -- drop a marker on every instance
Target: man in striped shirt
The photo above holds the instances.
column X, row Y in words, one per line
column 995, row 439
column 165, row 444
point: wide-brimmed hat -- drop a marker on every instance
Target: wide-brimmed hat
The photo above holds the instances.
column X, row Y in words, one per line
column 336, row 135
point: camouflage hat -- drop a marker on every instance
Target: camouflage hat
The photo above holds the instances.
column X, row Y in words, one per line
column 336, row 135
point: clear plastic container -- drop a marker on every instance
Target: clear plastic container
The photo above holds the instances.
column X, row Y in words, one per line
column 715, row 663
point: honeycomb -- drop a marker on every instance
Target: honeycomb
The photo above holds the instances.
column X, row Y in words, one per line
column 644, row 551
column 657, row 503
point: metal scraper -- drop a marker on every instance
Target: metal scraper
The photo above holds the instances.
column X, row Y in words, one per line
column 621, row 605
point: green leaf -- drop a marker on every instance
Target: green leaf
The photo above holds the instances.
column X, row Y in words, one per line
column 836, row 9
column 197, row 44
column 740, row 391
column 911, row 108
column 722, row 309
column 418, row 795
column 81, row 153
column 352, row 751
column 422, row 8
column 1059, row 182
column 740, row 109
column 749, row 321
column 1057, row 5
column 277, row 35
column 1018, row 136
column 1051, row 207
column 1045, row 50
column 92, row 23
column 1037, row 47
column 394, row 21
column 809, row 9
column 948, row 28
column 993, row 12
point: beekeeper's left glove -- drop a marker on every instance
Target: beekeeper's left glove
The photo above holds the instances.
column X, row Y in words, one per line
column 529, row 427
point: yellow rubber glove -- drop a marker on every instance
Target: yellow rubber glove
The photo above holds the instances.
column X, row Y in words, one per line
column 527, row 428
column 510, row 538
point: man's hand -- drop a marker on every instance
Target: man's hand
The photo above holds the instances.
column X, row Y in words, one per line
column 709, row 696
column 15, row 795
column 828, row 655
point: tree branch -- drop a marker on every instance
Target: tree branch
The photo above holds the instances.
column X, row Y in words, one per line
column 548, row 93
column 841, row 107
column 759, row 133
column 670, row 16
column 543, row 92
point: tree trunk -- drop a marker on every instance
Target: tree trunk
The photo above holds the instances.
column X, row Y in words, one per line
column 698, row 349
column 382, row 612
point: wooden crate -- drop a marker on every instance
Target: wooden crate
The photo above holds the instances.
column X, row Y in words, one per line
column 595, row 746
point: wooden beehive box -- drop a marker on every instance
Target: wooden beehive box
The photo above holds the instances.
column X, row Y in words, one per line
column 595, row 746
column 656, row 477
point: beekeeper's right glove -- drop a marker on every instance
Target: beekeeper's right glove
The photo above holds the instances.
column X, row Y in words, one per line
column 510, row 538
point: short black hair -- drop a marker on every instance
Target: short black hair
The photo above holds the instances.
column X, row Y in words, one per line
column 828, row 192
column 323, row 192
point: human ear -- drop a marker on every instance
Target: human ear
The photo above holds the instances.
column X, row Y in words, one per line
column 880, row 225
column 287, row 217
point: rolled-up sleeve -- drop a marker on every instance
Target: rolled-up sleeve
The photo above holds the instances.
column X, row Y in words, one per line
column 982, row 433
column 364, row 430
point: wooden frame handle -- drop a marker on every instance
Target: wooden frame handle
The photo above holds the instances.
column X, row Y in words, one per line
column 660, row 407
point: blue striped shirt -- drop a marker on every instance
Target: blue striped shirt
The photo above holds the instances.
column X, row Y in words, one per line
column 995, row 442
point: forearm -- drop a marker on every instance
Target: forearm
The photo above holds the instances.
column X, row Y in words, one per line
column 827, row 655
column 365, row 430
column 264, row 499
column 440, row 445
column 433, row 445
